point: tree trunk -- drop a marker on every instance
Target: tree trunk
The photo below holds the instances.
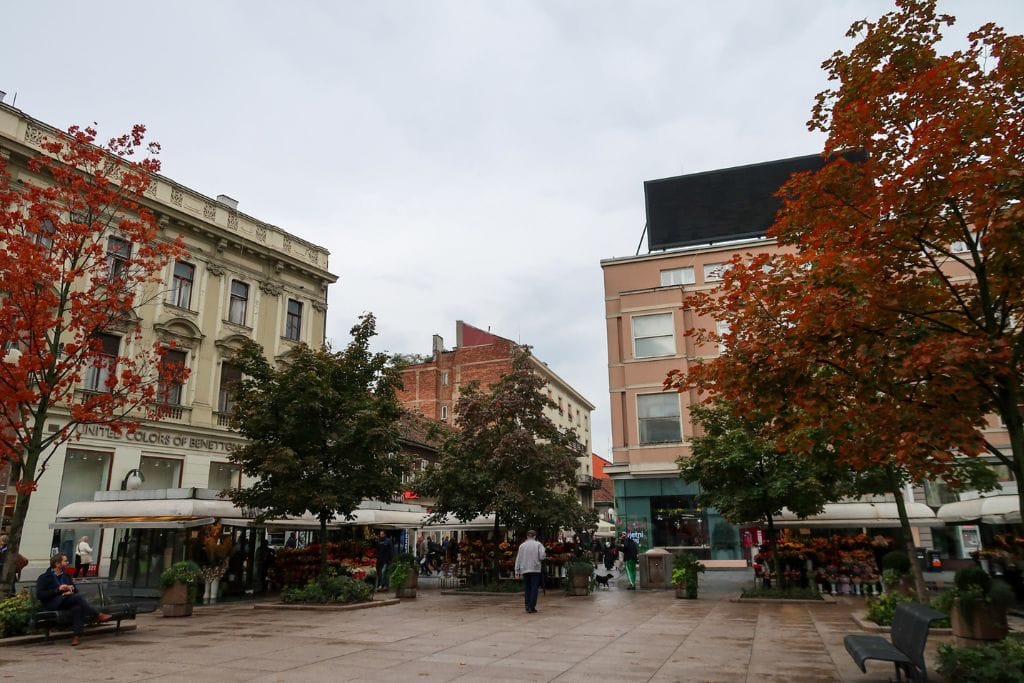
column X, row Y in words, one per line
column 908, row 545
column 495, row 566
column 773, row 553
column 323, row 546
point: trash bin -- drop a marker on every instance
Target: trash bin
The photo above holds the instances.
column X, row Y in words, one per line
column 934, row 561
column 656, row 569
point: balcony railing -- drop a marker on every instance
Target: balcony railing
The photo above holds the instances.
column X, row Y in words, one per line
column 585, row 481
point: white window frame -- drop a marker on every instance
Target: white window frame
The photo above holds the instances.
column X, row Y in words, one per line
column 288, row 317
column 180, row 295
column 242, row 307
column 444, row 413
column 714, row 272
column 96, row 376
column 640, row 420
column 671, row 334
column 722, row 329
column 683, row 275
column 163, row 390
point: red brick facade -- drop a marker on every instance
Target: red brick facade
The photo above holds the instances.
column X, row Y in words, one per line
column 432, row 388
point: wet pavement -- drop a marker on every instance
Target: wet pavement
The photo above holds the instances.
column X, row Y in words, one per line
column 613, row 634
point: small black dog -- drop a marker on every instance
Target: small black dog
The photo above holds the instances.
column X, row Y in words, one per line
column 602, row 581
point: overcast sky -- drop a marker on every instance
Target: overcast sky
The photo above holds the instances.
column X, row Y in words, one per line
column 460, row 160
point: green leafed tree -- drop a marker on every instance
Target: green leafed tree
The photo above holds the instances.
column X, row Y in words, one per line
column 322, row 430
column 743, row 474
column 507, row 458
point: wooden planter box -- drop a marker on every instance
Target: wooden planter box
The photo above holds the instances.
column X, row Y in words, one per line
column 987, row 624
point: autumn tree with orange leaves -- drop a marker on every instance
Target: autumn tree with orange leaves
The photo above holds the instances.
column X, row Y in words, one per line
column 80, row 256
column 890, row 320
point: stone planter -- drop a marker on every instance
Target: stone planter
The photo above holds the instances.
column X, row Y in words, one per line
column 174, row 601
column 408, row 587
column 987, row 623
column 688, row 593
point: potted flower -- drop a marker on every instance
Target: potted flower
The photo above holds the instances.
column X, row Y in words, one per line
column 979, row 608
column 686, row 571
column 579, row 577
column 179, row 589
column 404, row 576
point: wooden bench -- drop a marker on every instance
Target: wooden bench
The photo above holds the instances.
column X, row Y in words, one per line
column 113, row 598
column 905, row 650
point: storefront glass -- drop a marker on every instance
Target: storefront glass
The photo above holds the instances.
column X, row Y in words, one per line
column 85, row 472
column 160, row 473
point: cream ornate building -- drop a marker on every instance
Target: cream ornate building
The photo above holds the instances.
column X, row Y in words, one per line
column 241, row 279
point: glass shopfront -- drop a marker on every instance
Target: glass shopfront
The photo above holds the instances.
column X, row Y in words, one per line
column 85, row 472
column 678, row 522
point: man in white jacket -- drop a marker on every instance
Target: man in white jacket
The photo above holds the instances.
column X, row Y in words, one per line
column 528, row 567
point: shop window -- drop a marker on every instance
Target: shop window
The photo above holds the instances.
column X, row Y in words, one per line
column 224, row 475
column 658, row 415
column 653, row 336
column 677, row 521
column 85, row 473
column 160, row 473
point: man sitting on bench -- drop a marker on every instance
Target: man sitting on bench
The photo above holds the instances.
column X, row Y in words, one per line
column 56, row 591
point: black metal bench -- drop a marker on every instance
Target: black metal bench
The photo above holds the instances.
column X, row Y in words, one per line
column 113, row 598
column 905, row 650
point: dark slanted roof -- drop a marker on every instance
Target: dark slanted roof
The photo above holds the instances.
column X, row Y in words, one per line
column 718, row 206
column 417, row 430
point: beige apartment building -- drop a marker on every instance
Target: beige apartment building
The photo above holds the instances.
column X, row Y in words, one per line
column 697, row 223
column 241, row 279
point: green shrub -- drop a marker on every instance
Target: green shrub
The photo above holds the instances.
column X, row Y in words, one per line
column 882, row 609
column 1001, row 662
column 329, row 589
column 187, row 573
column 973, row 577
column 897, row 561
column 401, row 567
column 16, row 614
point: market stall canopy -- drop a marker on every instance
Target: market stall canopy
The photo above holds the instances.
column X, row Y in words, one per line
column 604, row 529
column 858, row 514
column 999, row 509
column 182, row 508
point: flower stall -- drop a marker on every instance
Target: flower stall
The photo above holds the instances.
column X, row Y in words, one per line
column 837, row 564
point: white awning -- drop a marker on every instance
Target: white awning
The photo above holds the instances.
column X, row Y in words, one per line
column 853, row 515
column 170, row 513
column 451, row 523
column 999, row 509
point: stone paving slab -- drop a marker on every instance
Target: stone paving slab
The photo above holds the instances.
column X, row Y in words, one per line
column 611, row 635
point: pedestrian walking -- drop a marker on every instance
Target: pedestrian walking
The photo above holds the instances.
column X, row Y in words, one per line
column 630, row 553
column 385, row 550
column 528, row 567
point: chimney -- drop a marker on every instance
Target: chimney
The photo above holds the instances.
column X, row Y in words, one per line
column 227, row 201
column 438, row 344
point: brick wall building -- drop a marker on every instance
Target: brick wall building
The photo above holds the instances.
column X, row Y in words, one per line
column 432, row 388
